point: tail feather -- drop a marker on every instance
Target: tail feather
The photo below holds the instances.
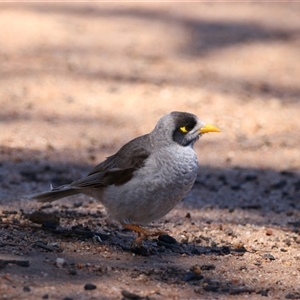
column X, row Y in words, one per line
column 55, row 194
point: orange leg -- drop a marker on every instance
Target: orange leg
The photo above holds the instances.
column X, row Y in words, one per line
column 142, row 233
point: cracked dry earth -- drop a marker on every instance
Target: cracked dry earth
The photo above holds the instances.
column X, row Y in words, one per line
column 77, row 81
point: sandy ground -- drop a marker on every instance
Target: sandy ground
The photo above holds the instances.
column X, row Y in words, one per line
column 77, row 81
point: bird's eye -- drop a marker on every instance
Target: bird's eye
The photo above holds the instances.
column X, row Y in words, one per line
column 183, row 129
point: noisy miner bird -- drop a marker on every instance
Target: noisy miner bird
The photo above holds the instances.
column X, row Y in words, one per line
column 147, row 177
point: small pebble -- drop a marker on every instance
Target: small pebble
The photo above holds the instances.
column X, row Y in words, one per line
column 269, row 256
column 269, row 232
column 250, row 177
column 229, row 231
column 198, row 290
column 26, row 288
column 293, row 296
column 140, row 251
column 192, row 276
column 129, row 295
column 72, row 272
column 196, row 269
column 167, row 239
column 208, row 267
column 279, row 184
column 60, row 262
column 46, row 296
column 90, row 286
column 263, row 293
column 46, row 219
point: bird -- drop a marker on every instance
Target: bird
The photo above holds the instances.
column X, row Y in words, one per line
column 147, row 177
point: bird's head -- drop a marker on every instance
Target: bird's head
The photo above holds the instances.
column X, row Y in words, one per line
column 182, row 127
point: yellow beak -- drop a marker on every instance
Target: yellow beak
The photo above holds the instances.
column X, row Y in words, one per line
column 209, row 128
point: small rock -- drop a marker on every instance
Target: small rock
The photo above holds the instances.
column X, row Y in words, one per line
column 279, row 184
column 192, row 276
column 225, row 250
column 288, row 242
column 211, row 287
column 269, row 256
column 269, row 232
column 141, row 250
column 208, row 267
column 263, row 293
column 252, row 206
column 213, row 244
column 26, row 288
column 60, row 262
column 297, row 185
column 50, row 224
column 250, row 177
column 167, row 239
column 293, row 296
column 195, row 251
column 229, row 231
column 46, row 296
column 188, row 215
column 198, row 290
column 49, row 220
column 129, row 295
column 90, row 286
column 196, row 269
column 72, row 272
column 240, row 290
column 236, row 187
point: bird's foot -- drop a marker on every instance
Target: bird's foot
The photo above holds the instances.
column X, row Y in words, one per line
column 143, row 234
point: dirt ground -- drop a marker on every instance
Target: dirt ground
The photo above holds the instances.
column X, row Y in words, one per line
column 79, row 80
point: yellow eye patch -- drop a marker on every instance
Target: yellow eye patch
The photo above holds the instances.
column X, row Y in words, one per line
column 183, row 129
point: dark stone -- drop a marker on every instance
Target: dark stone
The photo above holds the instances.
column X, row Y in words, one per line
column 50, row 224
column 236, row 187
column 26, row 288
column 225, row 250
column 250, row 177
column 73, row 272
column 211, row 287
column 279, row 184
column 297, row 185
column 252, row 206
column 195, row 251
column 188, row 215
column 29, row 175
column 263, row 293
column 90, row 286
column 269, row 256
column 292, row 296
column 131, row 296
column 167, row 239
column 140, row 251
column 191, row 276
column 207, row 267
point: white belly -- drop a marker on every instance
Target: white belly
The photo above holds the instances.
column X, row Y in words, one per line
column 155, row 189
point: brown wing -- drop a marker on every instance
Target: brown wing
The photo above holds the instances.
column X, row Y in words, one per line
column 118, row 168
column 131, row 155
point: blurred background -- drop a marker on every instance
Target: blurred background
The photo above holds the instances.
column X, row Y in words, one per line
column 79, row 80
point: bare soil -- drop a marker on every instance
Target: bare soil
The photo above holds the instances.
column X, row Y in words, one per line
column 79, row 80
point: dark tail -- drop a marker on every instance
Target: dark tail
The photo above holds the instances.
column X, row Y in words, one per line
column 57, row 193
